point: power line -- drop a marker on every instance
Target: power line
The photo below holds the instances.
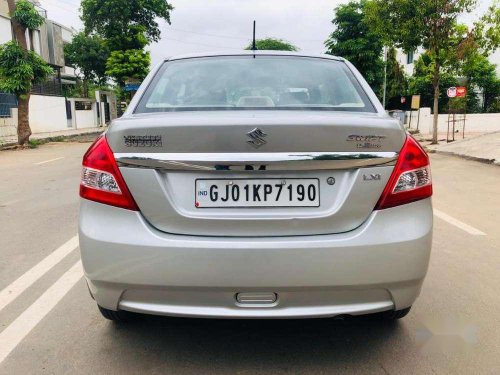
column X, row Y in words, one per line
column 207, row 34
column 200, row 44
column 72, row 11
column 70, row 2
column 234, row 37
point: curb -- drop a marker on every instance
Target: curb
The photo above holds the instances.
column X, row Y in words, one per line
column 55, row 138
column 8, row 146
column 467, row 157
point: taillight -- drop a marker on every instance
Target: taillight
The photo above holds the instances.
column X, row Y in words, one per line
column 101, row 180
column 411, row 179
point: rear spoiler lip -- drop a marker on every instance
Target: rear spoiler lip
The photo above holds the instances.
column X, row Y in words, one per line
column 276, row 161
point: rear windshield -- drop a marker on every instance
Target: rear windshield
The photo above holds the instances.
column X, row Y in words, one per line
column 245, row 82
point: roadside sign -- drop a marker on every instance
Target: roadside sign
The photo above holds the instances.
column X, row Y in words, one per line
column 461, row 91
column 451, row 92
column 132, row 86
column 415, row 102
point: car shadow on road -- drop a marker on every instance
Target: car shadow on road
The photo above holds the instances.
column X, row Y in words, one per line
column 205, row 346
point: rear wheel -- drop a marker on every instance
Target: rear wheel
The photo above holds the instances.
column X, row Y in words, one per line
column 396, row 314
column 115, row 316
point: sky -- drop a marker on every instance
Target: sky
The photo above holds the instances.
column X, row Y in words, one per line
column 226, row 25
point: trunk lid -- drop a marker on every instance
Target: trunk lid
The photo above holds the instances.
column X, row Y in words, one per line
column 161, row 156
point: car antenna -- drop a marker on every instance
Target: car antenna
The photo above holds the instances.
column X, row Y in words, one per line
column 254, row 43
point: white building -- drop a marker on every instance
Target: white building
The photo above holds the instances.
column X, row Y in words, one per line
column 407, row 60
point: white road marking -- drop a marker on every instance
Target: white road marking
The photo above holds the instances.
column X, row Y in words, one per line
column 12, row 291
column 11, row 336
column 49, row 161
column 465, row 227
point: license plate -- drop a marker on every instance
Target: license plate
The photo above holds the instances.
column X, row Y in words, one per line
column 265, row 192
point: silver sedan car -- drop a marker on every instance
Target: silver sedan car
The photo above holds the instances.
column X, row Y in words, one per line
column 255, row 185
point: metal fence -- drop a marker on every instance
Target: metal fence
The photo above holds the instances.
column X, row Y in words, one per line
column 51, row 87
column 7, row 102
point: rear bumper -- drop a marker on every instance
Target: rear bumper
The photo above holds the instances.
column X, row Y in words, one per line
column 379, row 266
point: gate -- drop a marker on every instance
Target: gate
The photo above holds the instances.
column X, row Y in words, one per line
column 107, row 113
column 69, row 114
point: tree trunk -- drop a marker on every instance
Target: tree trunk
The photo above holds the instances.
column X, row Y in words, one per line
column 85, row 88
column 19, row 30
column 23, row 126
column 435, row 84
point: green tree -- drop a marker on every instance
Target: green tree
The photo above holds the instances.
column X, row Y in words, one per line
column 127, row 27
column 19, row 67
column 480, row 74
column 88, row 54
column 127, row 24
column 470, row 63
column 494, row 106
column 431, row 24
column 272, row 44
column 353, row 40
column 420, row 83
column 132, row 63
column 487, row 30
column 397, row 80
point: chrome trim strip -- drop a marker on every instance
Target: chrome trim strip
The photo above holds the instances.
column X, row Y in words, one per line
column 276, row 161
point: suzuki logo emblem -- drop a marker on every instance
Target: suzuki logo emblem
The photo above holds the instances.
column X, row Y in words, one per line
column 256, row 138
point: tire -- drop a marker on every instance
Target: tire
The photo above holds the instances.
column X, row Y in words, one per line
column 115, row 316
column 396, row 314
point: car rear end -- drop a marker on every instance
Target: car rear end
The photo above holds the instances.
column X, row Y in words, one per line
column 255, row 186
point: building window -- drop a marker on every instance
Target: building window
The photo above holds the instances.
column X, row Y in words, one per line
column 409, row 58
column 36, row 42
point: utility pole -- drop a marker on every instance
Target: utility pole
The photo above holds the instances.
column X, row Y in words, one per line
column 385, row 77
column 254, row 42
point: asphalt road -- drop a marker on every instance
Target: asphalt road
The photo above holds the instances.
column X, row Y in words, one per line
column 50, row 325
